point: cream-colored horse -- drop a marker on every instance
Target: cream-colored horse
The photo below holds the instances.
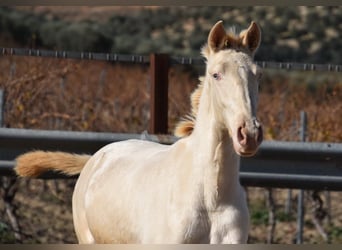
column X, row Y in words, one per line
column 143, row 192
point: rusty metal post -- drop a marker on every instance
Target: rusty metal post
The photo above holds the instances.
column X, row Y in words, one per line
column 159, row 71
column 301, row 208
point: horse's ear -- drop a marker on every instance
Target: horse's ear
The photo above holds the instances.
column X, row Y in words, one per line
column 251, row 37
column 216, row 37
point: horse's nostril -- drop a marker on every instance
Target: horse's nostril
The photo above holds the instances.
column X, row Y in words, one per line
column 242, row 136
column 250, row 137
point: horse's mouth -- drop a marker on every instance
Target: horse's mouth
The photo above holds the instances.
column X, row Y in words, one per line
column 247, row 154
column 247, row 150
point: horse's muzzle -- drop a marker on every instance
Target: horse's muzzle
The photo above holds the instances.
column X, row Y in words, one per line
column 249, row 137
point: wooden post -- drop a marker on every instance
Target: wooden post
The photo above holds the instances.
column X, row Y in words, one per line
column 159, row 70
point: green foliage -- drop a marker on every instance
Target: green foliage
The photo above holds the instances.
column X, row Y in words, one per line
column 83, row 36
column 49, row 32
column 260, row 214
column 23, row 27
column 6, row 234
column 285, row 217
column 335, row 234
column 259, row 217
column 166, row 30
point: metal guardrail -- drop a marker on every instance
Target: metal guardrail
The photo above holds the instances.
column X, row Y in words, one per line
column 278, row 164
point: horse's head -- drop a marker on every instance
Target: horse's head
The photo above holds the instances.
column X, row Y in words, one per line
column 233, row 80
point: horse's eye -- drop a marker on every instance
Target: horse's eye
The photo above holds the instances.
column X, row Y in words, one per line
column 217, row 76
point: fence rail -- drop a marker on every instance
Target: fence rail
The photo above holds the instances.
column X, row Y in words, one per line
column 113, row 57
column 296, row 165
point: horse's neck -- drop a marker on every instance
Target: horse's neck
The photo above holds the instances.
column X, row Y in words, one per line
column 214, row 153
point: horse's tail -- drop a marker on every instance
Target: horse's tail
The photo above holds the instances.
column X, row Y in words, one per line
column 33, row 164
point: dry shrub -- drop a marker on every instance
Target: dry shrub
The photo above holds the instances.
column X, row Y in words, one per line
column 67, row 94
column 281, row 101
column 74, row 95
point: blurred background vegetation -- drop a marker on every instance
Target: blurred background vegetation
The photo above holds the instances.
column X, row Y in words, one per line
column 294, row 33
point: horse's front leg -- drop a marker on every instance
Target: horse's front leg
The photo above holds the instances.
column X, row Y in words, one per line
column 230, row 226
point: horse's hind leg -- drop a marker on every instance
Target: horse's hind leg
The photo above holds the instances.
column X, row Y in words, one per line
column 81, row 226
column 83, row 233
column 82, row 230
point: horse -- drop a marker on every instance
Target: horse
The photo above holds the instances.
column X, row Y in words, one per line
column 138, row 191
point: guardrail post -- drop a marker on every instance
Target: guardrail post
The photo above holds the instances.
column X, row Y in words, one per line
column 159, row 71
column 2, row 97
column 9, row 185
column 300, row 208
